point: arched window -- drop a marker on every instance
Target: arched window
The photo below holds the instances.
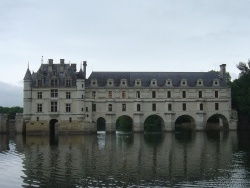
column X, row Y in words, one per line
column 138, row 107
column 110, row 107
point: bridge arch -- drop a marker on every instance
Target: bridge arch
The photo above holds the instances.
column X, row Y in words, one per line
column 185, row 122
column 101, row 124
column 217, row 122
column 153, row 123
column 124, row 123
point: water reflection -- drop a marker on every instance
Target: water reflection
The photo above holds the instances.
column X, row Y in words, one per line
column 111, row 160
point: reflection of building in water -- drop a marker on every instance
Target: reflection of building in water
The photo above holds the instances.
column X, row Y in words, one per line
column 58, row 98
column 129, row 158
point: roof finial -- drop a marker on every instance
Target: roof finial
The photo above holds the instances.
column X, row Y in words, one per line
column 42, row 60
column 80, row 65
column 28, row 65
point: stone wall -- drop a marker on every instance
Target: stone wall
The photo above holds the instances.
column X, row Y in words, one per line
column 3, row 123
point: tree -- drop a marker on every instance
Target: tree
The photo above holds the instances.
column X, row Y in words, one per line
column 11, row 111
column 228, row 76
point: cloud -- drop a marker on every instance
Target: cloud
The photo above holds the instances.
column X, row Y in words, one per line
column 10, row 95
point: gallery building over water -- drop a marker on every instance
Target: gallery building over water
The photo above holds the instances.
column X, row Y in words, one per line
column 58, row 98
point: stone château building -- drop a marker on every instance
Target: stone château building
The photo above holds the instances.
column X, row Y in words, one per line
column 59, row 98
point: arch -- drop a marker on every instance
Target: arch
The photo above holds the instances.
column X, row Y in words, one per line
column 184, row 122
column 52, row 127
column 101, row 124
column 217, row 122
column 124, row 123
column 153, row 123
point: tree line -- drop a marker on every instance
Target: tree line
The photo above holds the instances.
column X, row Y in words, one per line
column 11, row 111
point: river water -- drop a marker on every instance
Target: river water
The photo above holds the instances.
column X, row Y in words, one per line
column 197, row 159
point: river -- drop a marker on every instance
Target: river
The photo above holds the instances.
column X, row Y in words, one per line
column 181, row 159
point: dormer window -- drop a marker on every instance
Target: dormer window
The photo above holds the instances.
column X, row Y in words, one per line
column 68, row 82
column 183, row 82
column 110, row 82
column 199, row 82
column 123, row 82
column 153, row 82
column 54, row 82
column 94, row 82
column 215, row 82
column 137, row 82
column 169, row 82
column 39, row 82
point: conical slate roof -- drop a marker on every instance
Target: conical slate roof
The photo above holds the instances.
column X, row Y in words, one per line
column 28, row 75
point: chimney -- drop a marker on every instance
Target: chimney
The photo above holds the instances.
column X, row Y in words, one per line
column 61, row 61
column 73, row 66
column 50, row 61
column 223, row 71
column 84, row 68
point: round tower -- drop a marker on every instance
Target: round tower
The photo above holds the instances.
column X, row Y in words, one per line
column 27, row 95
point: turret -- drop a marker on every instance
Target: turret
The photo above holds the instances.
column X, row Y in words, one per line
column 27, row 95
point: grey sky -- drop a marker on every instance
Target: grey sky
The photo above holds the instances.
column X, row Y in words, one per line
column 124, row 35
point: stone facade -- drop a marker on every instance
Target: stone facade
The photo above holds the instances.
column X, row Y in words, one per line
column 3, row 123
column 58, row 97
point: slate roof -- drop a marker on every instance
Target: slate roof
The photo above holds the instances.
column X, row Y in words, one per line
column 161, row 77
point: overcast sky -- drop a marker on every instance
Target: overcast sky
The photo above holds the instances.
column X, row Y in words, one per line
column 123, row 35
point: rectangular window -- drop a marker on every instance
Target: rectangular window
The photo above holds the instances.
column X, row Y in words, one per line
column 201, row 106
column 183, row 94
column 93, row 94
column 110, row 94
column 39, row 107
column 200, row 94
column 54, row 93
column 37, row 118
column 68, row 95
column 216, row 94
column 169, row 107
column 93, row 107
column 39, row 95
column 153, row 107
column 153, row 94
column 87, row 109
column 68, row 107
column 53, row 106
column 138, row 94
column 110, row 107
column 169, row 94
column 39, row 83
column 54, row 82
column 216, row 106
column 138, row 107
column 184, row 107
column 67, row 83
column 123, row 107
column 123, row 94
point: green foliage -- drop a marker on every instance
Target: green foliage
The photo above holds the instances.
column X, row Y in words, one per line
column 11, row 111
column 241, row 90
column 228, row 76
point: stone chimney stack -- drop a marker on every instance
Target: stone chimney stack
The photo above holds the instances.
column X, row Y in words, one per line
column 61, row 65
column 84, row 68
column 223, row 71
column 50, row 64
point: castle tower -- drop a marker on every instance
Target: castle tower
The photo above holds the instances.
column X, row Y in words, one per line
column 27, row 95
column 80, row 87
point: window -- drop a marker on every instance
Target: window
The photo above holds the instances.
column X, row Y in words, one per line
column 54, row 93
column 216, row 94
column 68, row 95
column 138, row 107
column 68, row 107
column 169, row 94
column 37, row 118
column 138, row 94
column 169, row 107
column 153, row 107
column 53, row 106
column 93, row 94
column 201, row 106
column 184, row 107
column 123, row 107
column 82, row 85
column 39, row 95
column 39, row 107
column 82, row 96
column 54, row 82
column 87, row 109
column 70, row 119
column 216, row 106
column 67, row 83
column 153, row 94
column 200, row 94
column 93, row 107
column 183, row 94
column 110, row 94
column 110, row 107
column 123, row 94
